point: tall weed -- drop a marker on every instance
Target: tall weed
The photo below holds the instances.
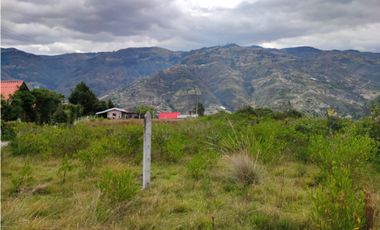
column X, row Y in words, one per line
column 21, row 179
column 199, row 164
column 261, row 138
column 338, row 203
column 117, row 186
column 342, row 150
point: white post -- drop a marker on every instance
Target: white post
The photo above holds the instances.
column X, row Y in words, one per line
column 147, row 149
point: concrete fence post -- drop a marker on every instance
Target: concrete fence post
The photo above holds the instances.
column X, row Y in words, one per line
column 147, row 149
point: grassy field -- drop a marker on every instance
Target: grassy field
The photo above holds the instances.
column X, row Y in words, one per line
column 239, row 171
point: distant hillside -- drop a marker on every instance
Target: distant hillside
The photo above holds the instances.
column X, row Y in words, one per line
column 303, row 78
column 103, row 72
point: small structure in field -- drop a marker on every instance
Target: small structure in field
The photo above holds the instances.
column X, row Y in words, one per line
column 185, row 116
column 117, row 113
column 169, row 115
column 10, row 87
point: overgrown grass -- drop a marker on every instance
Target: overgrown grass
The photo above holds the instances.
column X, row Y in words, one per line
column 240, row 171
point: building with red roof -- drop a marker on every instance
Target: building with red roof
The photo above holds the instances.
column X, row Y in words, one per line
column 10, row 87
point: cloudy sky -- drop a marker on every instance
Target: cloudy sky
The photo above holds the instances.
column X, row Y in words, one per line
column 61, row 26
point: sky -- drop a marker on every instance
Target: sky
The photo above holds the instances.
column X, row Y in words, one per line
column 65, row 26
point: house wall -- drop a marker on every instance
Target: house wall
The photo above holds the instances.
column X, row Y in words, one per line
column 114, row 114
column 173, row 115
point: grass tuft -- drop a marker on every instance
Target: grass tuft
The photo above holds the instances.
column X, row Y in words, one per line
column 242, row 169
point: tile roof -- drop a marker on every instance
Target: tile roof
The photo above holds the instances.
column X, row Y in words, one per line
column 9, row 87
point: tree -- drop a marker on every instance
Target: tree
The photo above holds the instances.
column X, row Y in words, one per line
column 72, row 112
column 333, row 121
column 82, row 95
column 142, row 109
column 101, row 105
column 110, row 104
column 60, row 116
column 6, row 111
column 22, row 106
column 47, row 102
column 199, row 109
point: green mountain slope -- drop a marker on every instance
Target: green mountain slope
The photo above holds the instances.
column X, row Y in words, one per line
column 308, row 79
column 231, row 76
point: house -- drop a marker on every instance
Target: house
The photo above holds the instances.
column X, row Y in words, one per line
column 169, row 115
column 10, row 87
column 113, row 113
column 117, row 113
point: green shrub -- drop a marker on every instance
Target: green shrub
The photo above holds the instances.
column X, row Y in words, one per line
column 342, row 150
column 160, row 137
column 310, row 126
column 69, row 140
column 338, row 204
column 29, row 140
column 51, row 140
column 372, row 127
column 169, row 142
column 117, row 187
column 295, row 143
column 93, row 155
column 128, row 141
column 261, row 139
column 21, row 179
column 7, row 130
column 259, row 112
column 65, row 167
column 174, row 148
column 198, row 165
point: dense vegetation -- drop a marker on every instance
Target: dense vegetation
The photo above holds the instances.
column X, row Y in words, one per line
column 254, row 169
column 44, row 106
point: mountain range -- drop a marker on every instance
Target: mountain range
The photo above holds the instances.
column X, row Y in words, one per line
column 231, row 76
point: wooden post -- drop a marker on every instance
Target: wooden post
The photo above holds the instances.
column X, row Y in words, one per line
column 147, row 149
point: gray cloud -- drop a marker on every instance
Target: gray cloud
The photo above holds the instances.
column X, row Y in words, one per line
column 46, row 26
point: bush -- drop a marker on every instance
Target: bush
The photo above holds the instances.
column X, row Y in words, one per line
column 342, row 150
column 311, row 126
column 170, row 143
column 21, row 179
column 198, row 165
column 130, row 140
column 339, row 200
column 174, row 148
column 54, row 140
column 259, row 112
column 65, row 167
column 29, row 140
column 7, row 130
column 69, row 140
column 337, row 204
column 261, row 139
column 94, row 154
column 117, row 187
column 242, row 169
